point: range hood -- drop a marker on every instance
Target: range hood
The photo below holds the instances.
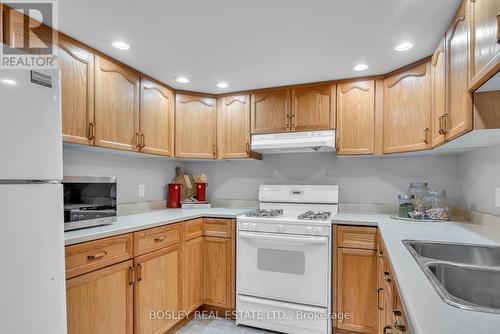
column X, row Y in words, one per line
column 294, row 142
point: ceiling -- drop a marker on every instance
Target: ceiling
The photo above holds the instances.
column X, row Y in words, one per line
column 257, row 44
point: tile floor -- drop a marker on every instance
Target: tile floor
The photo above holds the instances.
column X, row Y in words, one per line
column 217, row 326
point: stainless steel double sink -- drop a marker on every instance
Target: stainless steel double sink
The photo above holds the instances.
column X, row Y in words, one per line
column 465, row 276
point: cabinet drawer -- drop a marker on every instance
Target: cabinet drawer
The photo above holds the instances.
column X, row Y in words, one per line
column 155, row 238
column 192, row 229
column 93, row 255
column 357, row 237
column 214, row 227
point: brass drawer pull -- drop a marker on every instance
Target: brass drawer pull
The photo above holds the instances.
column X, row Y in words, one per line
column 159, row 239
column 97, row 256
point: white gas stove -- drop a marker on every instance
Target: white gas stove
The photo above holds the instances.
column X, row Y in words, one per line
column 283, row 259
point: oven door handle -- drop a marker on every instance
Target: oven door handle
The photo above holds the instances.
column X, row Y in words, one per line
column 309, row 240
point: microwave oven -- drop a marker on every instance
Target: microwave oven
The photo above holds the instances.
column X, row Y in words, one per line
column 89, row 201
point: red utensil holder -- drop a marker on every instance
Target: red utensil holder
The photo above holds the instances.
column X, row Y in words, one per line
column 174, row 195
column 200, row 191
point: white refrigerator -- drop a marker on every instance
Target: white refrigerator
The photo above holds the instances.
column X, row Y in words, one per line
column 32, row 276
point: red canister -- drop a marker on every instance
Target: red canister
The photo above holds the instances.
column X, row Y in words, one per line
column 200, row 191
column 174, row 195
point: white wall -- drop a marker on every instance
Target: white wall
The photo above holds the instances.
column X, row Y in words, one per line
column 361, row 179
column 131, row 170
column 479, row 175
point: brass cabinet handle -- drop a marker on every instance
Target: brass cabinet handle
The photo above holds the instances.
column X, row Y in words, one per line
column 143, row 140
column 445, row 123
column 441, row 131
column 387, row 278
column 97, row 256
column 248, row 148
column 287, row 122
column 139, row 272
column 293, row 121
column 380, row 254
column 378, row 299
column 426, row 140
column 90, row 134
column 399, row 327
column 131, row 275
column 498, row 28
column 386, row 328
column 159, row 239
column 215, row 150
column 337, row 147
column 138, row 140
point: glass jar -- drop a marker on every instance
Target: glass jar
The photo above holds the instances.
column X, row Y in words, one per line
column 438, row 206
column 419, row 190
column 405, row 205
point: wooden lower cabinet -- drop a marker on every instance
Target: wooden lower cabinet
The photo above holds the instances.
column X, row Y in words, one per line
column 192, row 276
column 357, row 289
column 157, row 288
column 219, row 265
column 101, row 301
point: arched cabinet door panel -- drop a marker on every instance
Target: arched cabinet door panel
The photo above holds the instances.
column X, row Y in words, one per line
column 157, row 108
column 356, row 118
column 407, row 110
column 116, row 105
column 195, row 127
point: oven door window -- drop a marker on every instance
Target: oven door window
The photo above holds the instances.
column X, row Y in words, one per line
column 281, row 261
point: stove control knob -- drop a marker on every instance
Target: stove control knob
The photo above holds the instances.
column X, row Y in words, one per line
column 281, row 228
column 254, row 226
column 319, row 230
column 80, row 217
column 309, row 230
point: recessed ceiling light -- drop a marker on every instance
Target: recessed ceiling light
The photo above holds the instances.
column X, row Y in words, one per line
column 9, row 82
column 222, row 85
column 360, row 67
column 121, row 45
column 182, row 80
column 403, row 46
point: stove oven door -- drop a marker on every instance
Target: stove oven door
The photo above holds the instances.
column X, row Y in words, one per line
column 291, row 268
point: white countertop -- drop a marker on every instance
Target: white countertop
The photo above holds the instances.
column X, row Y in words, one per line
column 427, row 313
column 141, row 221
column 425, row 310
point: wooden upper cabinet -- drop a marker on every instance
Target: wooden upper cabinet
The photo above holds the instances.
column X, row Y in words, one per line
column 313, row 108
column 101, row 301
column 116, row 105
column 458, row 99
column 356, row 118
column 77, row 91
column 195, row 127
column 270, row 111
column 157, row 110
column 484, row 37
column 407, row 110
column 234, row 127
column 157, row 288
column 438, row 95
